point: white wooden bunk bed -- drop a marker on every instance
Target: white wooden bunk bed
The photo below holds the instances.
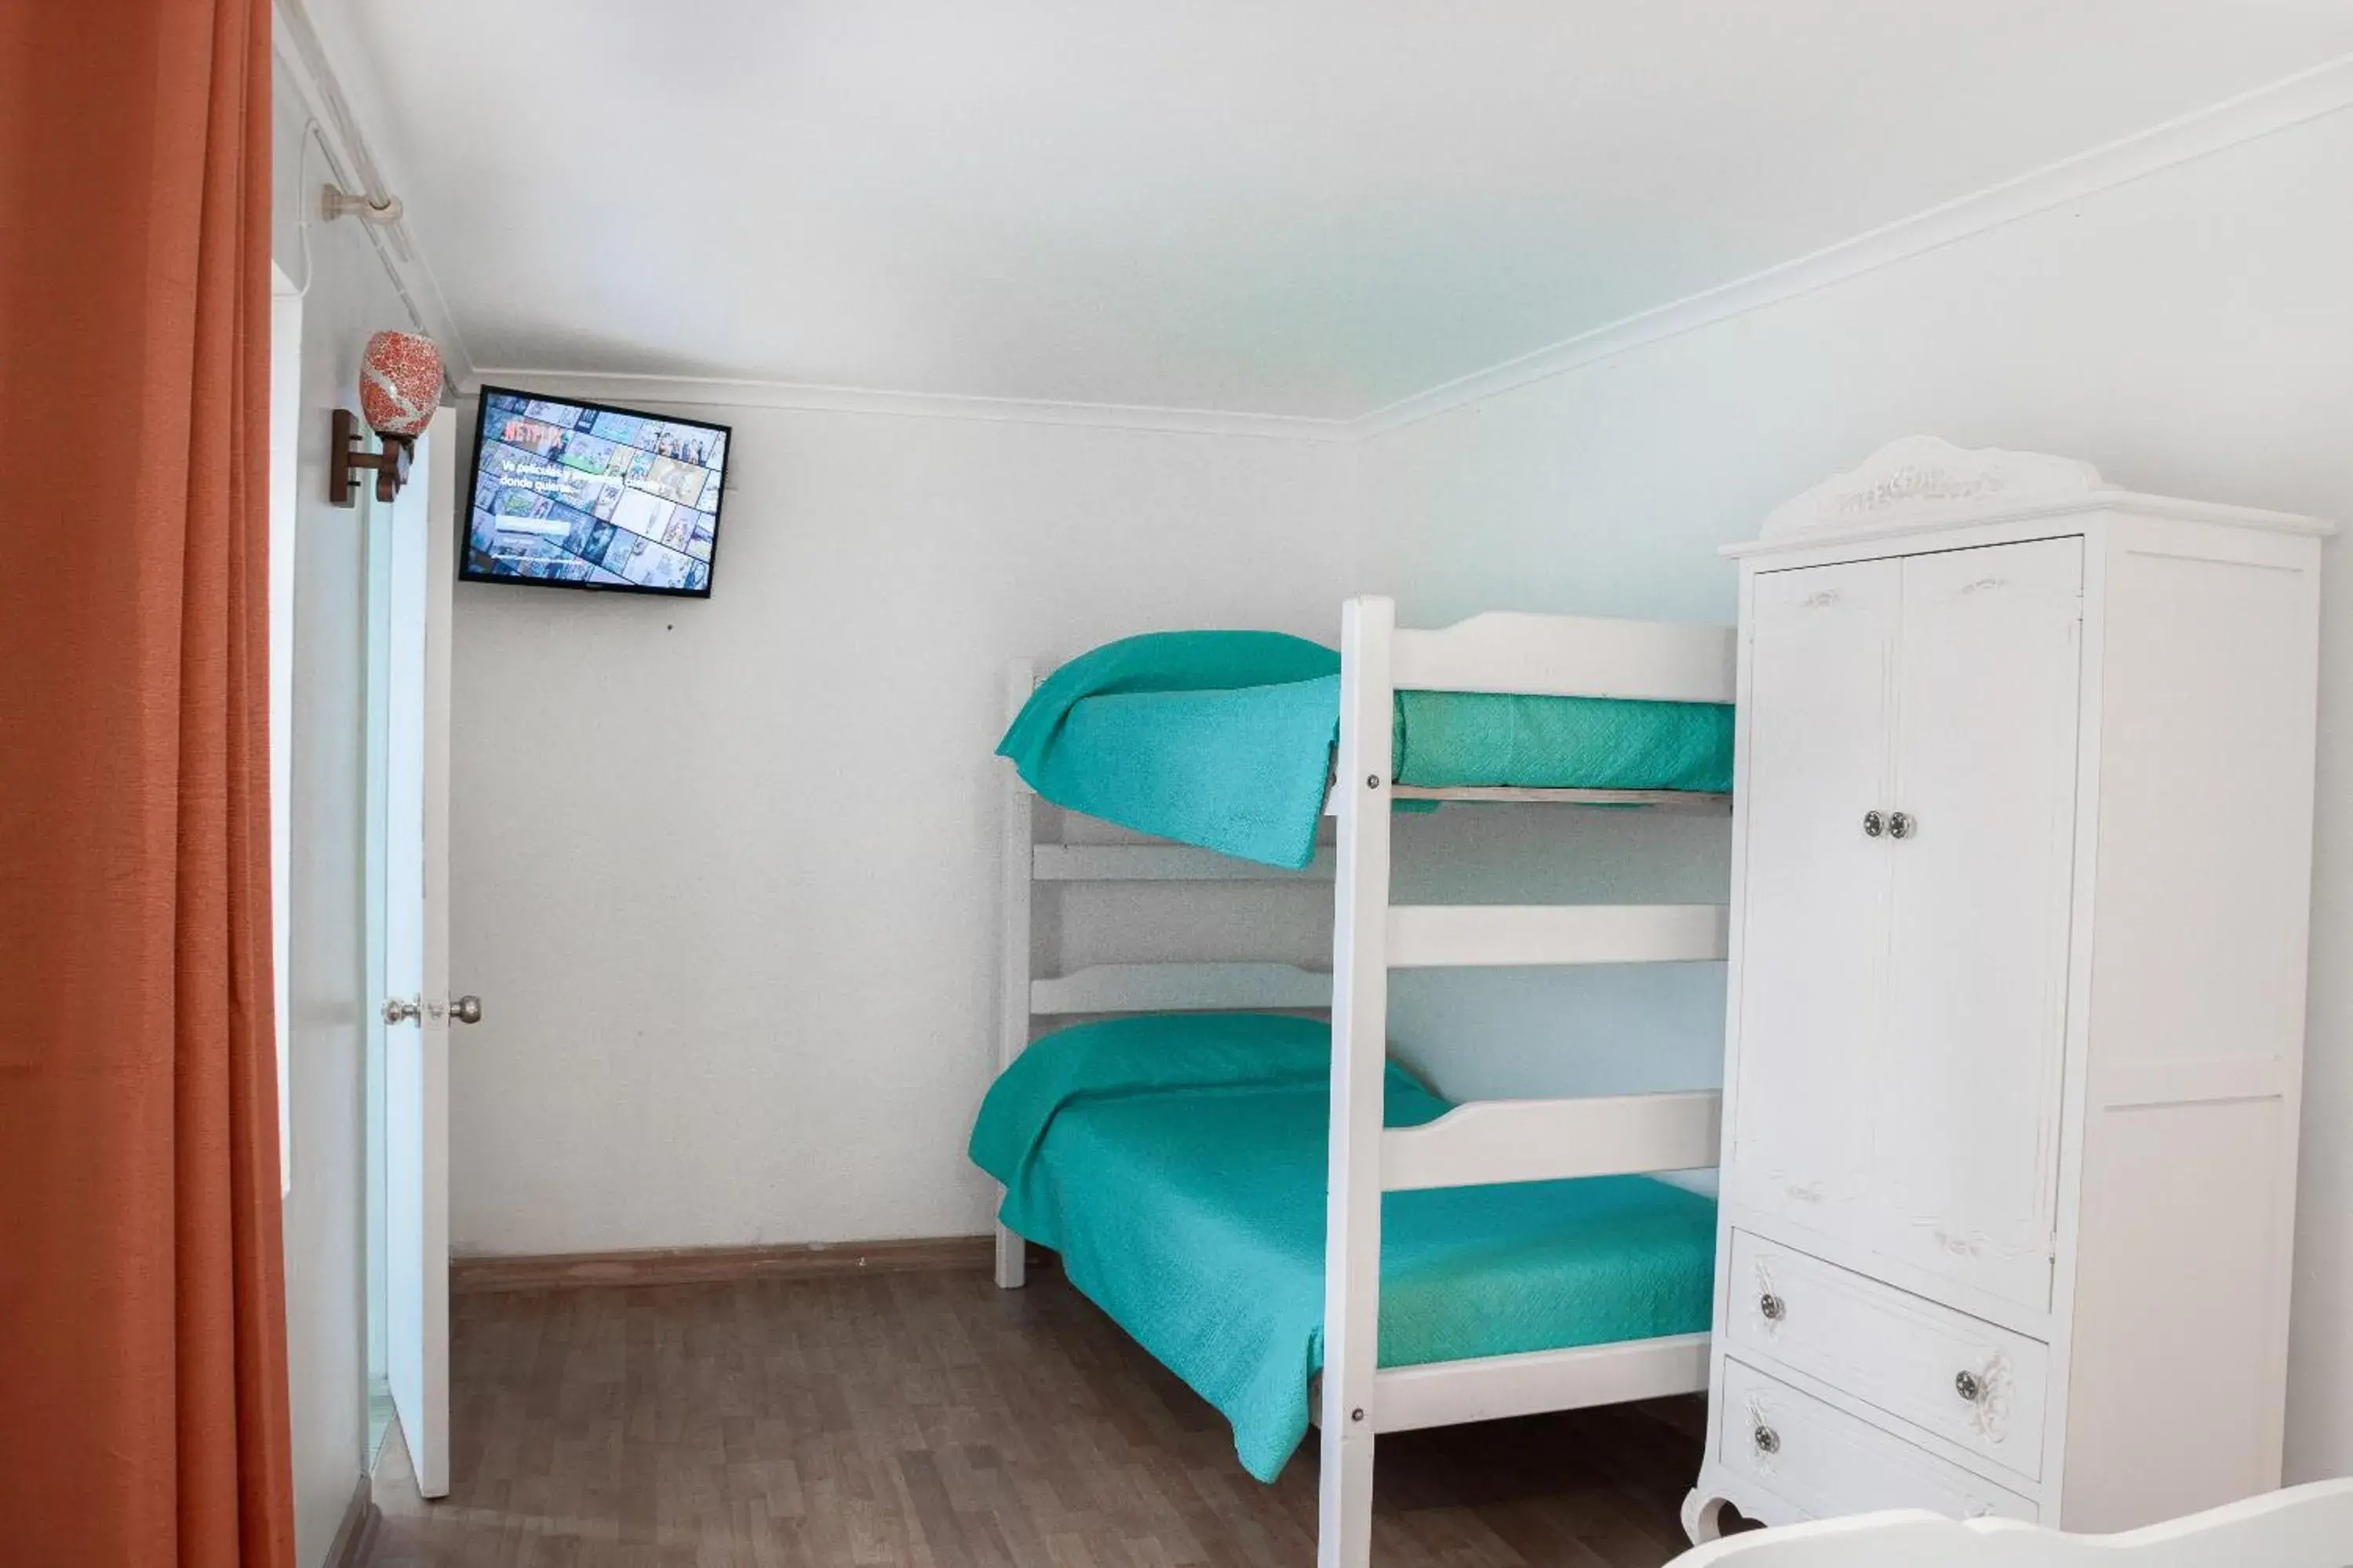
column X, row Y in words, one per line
column 1493, row 1141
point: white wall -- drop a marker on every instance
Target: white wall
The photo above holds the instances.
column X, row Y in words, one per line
column 2190, row 332
column 347, row 298
column 725, row 872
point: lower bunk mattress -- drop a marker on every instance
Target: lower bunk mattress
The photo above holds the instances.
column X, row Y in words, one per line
column 1224, row 739
column 1178, row 1166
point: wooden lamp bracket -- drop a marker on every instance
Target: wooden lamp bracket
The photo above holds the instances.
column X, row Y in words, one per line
column 345, row 462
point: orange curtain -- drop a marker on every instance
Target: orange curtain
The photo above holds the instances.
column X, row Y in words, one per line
column 143, row 1348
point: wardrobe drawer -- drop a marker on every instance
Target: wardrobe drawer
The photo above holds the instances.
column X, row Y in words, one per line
column 1958, row 1376
column 1828, row 1463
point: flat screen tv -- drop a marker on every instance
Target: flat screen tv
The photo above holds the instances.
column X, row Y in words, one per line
column 566, row 494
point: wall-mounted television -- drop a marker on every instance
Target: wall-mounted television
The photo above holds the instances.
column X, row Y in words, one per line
column 566, row 494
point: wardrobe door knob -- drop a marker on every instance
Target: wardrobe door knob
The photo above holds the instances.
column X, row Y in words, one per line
column 1967, row 1385
column 1874, row 824
column 1767, row 1441
column 1772, row 1308
column 1900, row 824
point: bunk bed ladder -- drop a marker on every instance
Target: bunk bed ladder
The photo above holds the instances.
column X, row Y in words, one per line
column 1494, row 1141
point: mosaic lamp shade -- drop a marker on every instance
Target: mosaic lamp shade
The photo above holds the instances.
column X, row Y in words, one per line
column 400, row 383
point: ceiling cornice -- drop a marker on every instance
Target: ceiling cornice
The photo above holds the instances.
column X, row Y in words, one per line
column 689, row 391
column 2308, row 95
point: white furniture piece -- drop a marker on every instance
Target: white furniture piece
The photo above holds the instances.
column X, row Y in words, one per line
column 1478, row 1143
column 2021, row 875
column 2305, row 1527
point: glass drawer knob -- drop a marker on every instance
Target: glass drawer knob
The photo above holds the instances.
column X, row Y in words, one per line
column 1772, row 1307
column 1967, row 1385
column 1767, row 1441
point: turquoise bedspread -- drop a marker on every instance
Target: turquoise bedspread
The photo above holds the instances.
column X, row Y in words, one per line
column 1224, row 739
column 1178, row 1166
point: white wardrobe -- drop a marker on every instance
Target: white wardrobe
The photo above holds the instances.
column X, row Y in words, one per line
column 2021, row 874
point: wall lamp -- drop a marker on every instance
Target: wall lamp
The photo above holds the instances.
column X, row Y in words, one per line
column 400, row 383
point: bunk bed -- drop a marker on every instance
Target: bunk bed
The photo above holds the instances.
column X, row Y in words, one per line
column 1217, row 1170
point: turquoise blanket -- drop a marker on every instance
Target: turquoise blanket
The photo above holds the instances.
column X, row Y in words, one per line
column 1224, row 739
column 1178, row 1166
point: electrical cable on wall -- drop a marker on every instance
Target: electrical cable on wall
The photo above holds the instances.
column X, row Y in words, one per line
column 302, row 207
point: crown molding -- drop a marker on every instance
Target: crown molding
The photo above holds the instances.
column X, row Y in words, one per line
column 2324, row 89
column 692, row 390
column 305, row 66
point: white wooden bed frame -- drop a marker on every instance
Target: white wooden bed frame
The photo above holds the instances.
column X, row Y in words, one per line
column 2302, row 1527
column 1483, row 1141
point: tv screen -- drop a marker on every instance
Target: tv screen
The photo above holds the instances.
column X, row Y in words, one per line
column 580, row 495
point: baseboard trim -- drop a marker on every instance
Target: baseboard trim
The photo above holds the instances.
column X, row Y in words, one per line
column 355, row 1537
column 707, row 1265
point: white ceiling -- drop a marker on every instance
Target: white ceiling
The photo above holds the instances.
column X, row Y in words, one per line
column 1292, row 207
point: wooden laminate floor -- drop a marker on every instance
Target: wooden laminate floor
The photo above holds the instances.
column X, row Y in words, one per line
column 931, row 1419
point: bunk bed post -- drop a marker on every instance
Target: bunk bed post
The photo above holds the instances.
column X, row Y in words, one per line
column 1352, row 1230
column 1016, row 864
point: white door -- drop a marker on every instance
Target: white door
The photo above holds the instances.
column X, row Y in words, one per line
column 1813, row 932
column 1965, row 1091
column 416, row 955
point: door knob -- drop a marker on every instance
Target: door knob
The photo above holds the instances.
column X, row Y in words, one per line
column 1902, row 825
column 399, row 1010
column 466, row 1009
column 1874, row 824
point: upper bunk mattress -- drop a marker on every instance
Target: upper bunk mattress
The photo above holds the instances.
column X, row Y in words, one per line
column 1178, row 1166
column 1224, row 739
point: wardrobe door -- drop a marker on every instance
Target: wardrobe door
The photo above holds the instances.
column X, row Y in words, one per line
column 1964, row 1090
column 1814, row 881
